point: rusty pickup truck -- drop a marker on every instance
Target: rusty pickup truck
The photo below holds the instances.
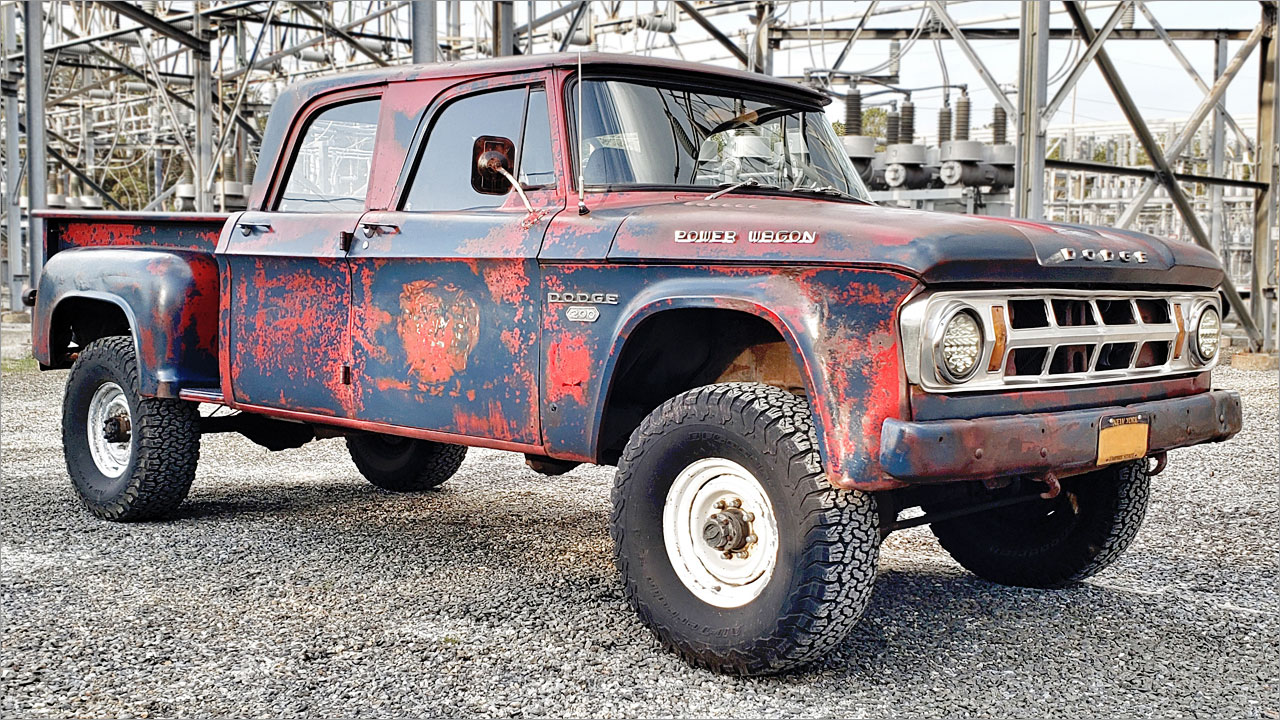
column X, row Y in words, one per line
column 667, row 267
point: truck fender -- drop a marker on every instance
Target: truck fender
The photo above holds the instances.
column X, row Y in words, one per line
column 840, row 326
column 168, row 297
column 690, row 302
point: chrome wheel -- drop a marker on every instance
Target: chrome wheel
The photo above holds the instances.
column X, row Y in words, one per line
column 720, row 532
column 110, row 430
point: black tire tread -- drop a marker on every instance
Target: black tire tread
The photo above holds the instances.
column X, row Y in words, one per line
column 167, row 434
column 842, row 534
column 434, row 463
column 1105, row 534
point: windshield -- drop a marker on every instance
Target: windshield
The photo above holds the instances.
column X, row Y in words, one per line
column 634, row 134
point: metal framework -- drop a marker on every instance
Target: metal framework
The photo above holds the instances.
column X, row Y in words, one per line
column 161, row 104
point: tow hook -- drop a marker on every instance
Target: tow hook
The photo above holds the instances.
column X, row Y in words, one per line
column 1162, row 459
column 1055, row 487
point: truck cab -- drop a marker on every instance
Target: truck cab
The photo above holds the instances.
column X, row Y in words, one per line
column 662, row 266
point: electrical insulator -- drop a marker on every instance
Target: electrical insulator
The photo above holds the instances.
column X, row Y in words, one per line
column 891, row 128
column 962, row 117
column 1127, row 17
column 659, row 23
column 895, row 57
column 853, row 112
column 999, row 125
column 907, row 125
column 944, row 124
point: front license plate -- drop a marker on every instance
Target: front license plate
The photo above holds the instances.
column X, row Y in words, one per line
column 1123, row 437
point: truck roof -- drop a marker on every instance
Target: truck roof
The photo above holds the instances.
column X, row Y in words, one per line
column 526, row 63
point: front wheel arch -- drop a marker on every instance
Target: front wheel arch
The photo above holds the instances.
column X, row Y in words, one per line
column 761, row 325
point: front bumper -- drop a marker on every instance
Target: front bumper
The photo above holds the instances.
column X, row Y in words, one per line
column 1064, row 443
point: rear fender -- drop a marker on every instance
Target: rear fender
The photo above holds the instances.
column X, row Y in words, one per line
column 170, row 298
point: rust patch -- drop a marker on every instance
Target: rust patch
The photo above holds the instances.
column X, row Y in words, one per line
column 94, row 234
column 439, row 327
column 507, row 282
column 568, row 368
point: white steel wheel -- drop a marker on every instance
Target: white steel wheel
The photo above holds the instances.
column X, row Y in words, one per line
column 110, row 430
column 720, row 532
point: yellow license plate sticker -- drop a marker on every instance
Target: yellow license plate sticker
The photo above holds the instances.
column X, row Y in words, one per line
column 1123, row 437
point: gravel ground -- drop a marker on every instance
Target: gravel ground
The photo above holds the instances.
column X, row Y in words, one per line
column 290, row 586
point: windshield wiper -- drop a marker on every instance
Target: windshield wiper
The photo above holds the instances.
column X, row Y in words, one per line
column 749, row 182
column 828, row 190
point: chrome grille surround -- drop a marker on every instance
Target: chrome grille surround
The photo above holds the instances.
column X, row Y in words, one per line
column 921, row 320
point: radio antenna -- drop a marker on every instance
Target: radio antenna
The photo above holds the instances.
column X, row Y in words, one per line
column 582, row 191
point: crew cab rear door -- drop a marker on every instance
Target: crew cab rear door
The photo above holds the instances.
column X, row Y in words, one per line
column 290, row 295
column 445, row 317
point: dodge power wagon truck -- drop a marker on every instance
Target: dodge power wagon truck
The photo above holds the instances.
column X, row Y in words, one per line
column 662, row 266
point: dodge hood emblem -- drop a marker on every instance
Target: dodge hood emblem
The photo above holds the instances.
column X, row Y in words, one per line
column 1067, row 254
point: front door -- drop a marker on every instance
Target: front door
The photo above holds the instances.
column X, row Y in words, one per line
column 444, row 287
column 290, row 293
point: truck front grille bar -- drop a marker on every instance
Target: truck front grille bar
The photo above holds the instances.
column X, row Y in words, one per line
column 1058, row 338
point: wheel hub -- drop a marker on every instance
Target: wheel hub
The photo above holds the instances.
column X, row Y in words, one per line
column 729, row 529
column 720, row 532
column 117, row 428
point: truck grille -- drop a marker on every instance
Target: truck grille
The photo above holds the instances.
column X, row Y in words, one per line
column 1058, row 337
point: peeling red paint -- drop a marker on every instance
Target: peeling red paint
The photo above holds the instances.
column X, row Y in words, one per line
column 568, row 367
column 439, row 327
column 506, row 280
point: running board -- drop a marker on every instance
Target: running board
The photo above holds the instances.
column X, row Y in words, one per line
column 205, row 395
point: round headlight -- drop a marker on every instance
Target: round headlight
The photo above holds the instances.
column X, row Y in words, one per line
column 959, row 346
column 1206, row 338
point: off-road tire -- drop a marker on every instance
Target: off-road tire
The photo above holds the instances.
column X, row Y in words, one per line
column 1058, row 542
column 165, row 442
column 829, row 539
column 404, row 464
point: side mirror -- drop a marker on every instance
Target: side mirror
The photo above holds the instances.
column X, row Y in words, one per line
column 491, row 162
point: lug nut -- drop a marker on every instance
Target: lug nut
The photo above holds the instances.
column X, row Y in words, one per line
column 737, row 503
column 751, row 539
column 749, row 516
column 728, row 555
column 720, row 505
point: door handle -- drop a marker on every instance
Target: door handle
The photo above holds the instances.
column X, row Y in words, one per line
column 371, row 229
column 248, row 228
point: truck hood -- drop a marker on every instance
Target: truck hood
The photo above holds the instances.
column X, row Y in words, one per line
column 935, row 247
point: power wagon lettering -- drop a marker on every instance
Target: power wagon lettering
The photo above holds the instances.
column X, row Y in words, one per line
column 762, row 237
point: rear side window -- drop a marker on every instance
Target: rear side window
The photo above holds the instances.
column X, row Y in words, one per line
column 330, row 171
column 442, row 178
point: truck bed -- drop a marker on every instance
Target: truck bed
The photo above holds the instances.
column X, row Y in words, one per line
column 66, row 229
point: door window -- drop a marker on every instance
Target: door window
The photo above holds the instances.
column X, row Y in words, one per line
column 442, row 178
column 330, row 170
